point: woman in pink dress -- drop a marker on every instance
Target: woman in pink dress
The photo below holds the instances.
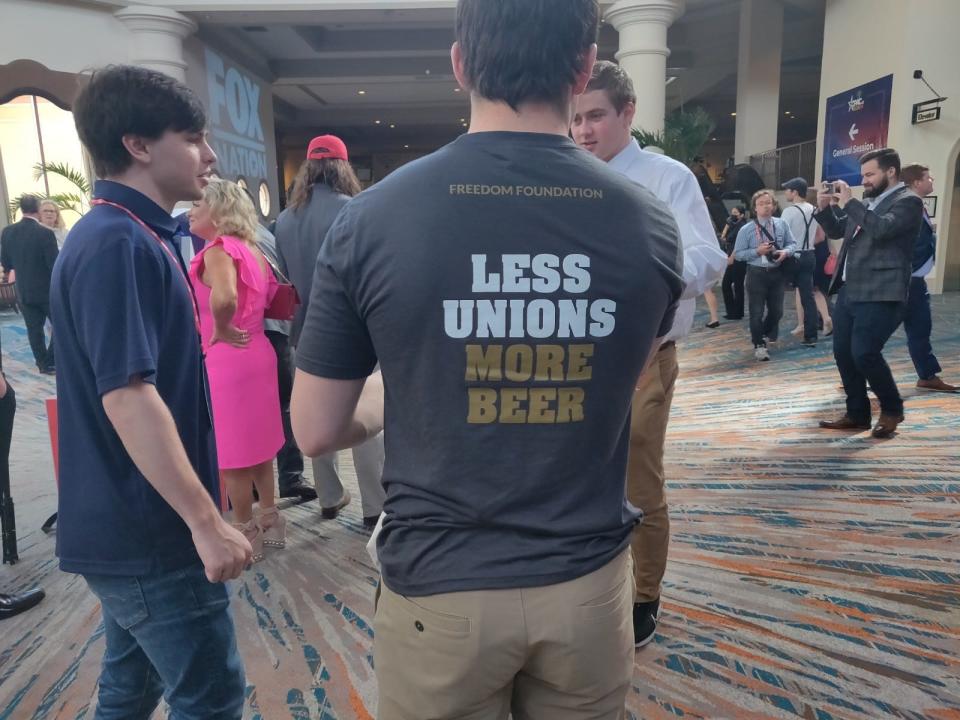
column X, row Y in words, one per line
column 234, row 284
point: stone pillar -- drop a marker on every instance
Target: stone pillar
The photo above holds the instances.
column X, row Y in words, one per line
column 642, row 25
column 157, row 38
column 758, row 77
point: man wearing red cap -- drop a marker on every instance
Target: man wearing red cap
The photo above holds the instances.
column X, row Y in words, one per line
column 324, row 184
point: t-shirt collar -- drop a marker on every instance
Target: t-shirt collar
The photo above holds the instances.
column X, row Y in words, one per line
column 139, row 204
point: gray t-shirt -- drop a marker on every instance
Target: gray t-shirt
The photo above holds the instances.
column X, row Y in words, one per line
column 511, row 287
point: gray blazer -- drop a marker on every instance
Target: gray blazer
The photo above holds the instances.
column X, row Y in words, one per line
column 877, row 246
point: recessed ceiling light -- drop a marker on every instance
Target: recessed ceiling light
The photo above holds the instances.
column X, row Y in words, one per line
column 361, row 92
column 426, row 72
column 376, row 122
column 733, row 114
column 787, row 112
column 456, row 89
column 463, row 119
column 407, row 147
column 392, row 125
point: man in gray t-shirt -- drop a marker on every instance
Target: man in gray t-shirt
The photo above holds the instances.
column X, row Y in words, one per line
column 512, row 288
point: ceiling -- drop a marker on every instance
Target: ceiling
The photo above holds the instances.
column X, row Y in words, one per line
column 381, row 78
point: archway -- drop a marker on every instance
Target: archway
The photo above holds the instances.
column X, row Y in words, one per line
column 951, row 223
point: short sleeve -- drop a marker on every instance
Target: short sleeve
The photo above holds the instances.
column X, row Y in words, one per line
column 335, row 342
column 117, row 307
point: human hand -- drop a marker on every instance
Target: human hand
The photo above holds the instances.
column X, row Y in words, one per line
column 844, row 193
column 223, row 550
column 232, row 335
column 730, row 260
column 825, row 196
column 764, row 248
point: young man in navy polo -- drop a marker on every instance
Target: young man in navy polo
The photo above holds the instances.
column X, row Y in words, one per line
column 138, row 512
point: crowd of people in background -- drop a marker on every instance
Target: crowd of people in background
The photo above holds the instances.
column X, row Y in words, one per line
column 160, row 401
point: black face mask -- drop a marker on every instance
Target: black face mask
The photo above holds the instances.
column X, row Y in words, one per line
column 878, row 190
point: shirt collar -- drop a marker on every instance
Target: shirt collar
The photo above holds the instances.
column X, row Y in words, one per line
column 139, row 204
column 622, row 160
column 883, row 196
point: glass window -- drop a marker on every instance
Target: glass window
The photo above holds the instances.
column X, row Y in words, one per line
column 34, row 131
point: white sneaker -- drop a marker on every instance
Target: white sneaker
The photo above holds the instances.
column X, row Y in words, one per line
column 761, row 353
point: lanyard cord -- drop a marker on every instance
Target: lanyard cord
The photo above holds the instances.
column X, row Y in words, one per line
column 153, row 233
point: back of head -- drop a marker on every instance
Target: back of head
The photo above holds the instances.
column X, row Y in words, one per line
column 232, row 209
column 29, row 204
column 336, row 174
column 125, row 100
column 520, row 51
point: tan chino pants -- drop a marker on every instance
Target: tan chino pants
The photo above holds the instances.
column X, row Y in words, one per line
column 563, row 652
column 645, row 479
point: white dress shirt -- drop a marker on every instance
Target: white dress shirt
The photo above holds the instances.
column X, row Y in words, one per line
column 673, row 183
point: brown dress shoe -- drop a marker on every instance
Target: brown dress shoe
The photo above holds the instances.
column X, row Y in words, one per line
column 937, row 385
column 844, row 423
column 886, row 425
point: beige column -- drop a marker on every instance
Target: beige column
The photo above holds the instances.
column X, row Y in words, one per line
column 758, row 77
column 643, row 53
column 157, row 38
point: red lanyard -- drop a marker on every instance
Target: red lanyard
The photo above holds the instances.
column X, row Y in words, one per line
column 757, row 228
column 166, row 248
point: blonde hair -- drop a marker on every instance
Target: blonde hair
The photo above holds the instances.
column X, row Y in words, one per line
column 61, row 225
column 232, row 210
column 759, row 194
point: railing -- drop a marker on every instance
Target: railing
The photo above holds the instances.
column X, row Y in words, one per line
column 778, row 166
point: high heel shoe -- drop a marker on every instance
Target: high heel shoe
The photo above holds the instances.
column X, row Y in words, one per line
column 274, row 527
column 252, row 532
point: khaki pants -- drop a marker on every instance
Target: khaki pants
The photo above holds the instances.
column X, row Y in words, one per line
column 563, row 652
column 645, row 480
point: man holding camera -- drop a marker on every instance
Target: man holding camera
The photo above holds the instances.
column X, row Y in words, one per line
column 871, row 282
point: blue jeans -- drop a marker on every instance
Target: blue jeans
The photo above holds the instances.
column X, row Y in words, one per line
column 168, row 634
column 918, row 323
column 860, row 330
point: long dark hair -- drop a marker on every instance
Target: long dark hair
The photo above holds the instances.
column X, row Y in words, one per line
column 338, row 175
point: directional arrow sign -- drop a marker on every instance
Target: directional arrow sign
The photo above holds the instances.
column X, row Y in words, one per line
column 853, row 132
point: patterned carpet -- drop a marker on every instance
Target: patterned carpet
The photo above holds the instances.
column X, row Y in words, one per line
column 811, row 575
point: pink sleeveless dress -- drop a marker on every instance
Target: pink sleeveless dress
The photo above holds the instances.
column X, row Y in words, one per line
column 243, row 381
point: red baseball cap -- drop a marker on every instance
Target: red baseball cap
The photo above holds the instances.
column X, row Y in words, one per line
column 327, row 146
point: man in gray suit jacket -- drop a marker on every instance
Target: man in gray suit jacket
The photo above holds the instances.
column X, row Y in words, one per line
column 872, row 280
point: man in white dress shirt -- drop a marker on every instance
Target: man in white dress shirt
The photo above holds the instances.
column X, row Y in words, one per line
column 601, row 124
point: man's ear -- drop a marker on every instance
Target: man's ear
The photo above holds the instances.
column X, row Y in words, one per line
column 456, row 60
column 586, row 70
column 137, row 146
column 629, row 112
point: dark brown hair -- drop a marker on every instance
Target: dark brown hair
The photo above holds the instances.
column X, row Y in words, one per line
column 886, row 158
column 338, row 175
column 912, row 172
column 613, row 79
column 518, row 51
column 128, row 100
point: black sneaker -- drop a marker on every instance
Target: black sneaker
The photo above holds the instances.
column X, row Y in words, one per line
column 645, row 616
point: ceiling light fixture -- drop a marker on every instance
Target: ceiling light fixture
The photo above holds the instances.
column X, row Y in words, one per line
column 733, row 114
column 376, row 122
column 456, row 89
column 361, row 92
column 392, row 125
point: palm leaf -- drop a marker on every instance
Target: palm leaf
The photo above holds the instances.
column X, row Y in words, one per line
column 69, row 201
column 684, row 134
column 71, row 174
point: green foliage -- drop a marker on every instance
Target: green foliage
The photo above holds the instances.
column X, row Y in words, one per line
column 684, row 134
column 77, row 201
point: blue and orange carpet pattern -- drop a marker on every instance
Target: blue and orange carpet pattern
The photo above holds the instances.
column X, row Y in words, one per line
column 812, row 575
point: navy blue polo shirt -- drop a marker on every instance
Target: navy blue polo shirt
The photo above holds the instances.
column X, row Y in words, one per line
column 121, row 308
